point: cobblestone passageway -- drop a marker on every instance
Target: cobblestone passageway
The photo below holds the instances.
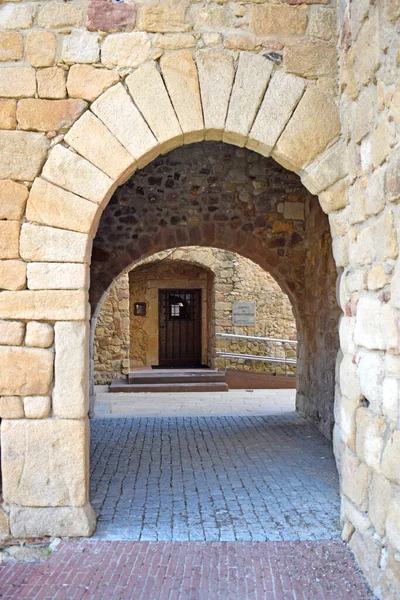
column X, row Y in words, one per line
column 255, row 478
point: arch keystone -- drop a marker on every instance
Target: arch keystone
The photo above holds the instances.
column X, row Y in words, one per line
column 118, row 113
column 314, row 125
column 216, row 72
column 181, row 78
column 147, row 89
column 91, row 138
column 252, row 77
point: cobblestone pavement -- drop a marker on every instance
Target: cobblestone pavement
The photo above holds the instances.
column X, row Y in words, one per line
column 188, row 571
column 213, row 479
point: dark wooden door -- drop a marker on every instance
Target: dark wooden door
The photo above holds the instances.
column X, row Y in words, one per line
column 179, row 328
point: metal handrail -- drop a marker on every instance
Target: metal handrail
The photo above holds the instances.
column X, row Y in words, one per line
column 263, row 358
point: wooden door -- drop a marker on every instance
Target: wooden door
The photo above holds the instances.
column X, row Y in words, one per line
column 179, row 328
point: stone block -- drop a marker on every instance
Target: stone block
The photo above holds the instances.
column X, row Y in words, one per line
column 45, row 462
column 349, row 381
column 37, row 407
column 51, row 83
column 180, row 76
column 48, row 244
column 310, row 58
column 126, row 50
column 377, row 278
column 87, row 82
column 80, row 47
column 11, row 46
column 367, row 50
column 364, row 116
column 11, row 333
column 49, row 115
column 51, row 305
column 4, row 525
column 107, row 16
column 8, row 114
column 71, row 393
column 315, row 112
column 328, row 169
column 340, row 251
column 14, row 16
column 11, row 407
column 57, row 276
column 58, row 14
column 390, row 398
column 368, row 331
column 368, row 553
column 383, row 139
column 354, row 479
column 119, row 114
column 147, row 88
column 253, row 73
column 12, row 274
column 216, row 74
column 72, row 172
column 393, row 522
column 380, row 495
column 210, row 17
column 41, row 48
column 13, row 197
column 22, row 154
column 39, row 335
column 374, row 194
column 356, row 516
column 322, row 23
column 390, row 465
column 371, row 372
column 25, row 371
column 52, row 205
column 175, row 41
column 272, row 19
column 334, row 198
column 65, row 521
column 9, row 239
column 162, row 17
column 294, row 211
column 17, row 82
column 371, row 431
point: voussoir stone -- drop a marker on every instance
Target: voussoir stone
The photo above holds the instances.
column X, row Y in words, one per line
column 91, row 138
column 72, row 172
column 45, row 462
column 180, row 75
column 68, row 521
column 316, row 113
column 25, row 371
column 108, row 16
column 49, row 115
column 51, row 305
column 147, row 89
column 22, row 154
column 87, row 82
column 49, row 204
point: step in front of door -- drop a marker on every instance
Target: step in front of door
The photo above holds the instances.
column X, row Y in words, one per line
column 177, row 377
column 125, row 386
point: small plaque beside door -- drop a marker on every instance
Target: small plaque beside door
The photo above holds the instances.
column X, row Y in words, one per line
column 139, row 309
column 243, row 313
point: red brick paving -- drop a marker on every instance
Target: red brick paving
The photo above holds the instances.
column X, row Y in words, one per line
column 188, row 571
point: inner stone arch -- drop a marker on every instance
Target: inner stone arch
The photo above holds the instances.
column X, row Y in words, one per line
column 214, row 194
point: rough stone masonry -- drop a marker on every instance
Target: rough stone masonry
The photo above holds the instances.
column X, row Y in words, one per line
column 90, row 92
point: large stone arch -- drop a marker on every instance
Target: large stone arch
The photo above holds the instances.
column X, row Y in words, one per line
column 45, row 462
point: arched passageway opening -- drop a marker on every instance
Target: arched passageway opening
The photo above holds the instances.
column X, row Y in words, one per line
column 213, row 194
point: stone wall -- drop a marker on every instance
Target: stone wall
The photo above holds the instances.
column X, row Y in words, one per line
column 234, row 278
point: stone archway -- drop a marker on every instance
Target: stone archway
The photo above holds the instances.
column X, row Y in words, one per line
column 45, row 461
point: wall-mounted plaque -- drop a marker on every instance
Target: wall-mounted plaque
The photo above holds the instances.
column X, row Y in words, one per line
column 243, row 313
column 139, row 309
